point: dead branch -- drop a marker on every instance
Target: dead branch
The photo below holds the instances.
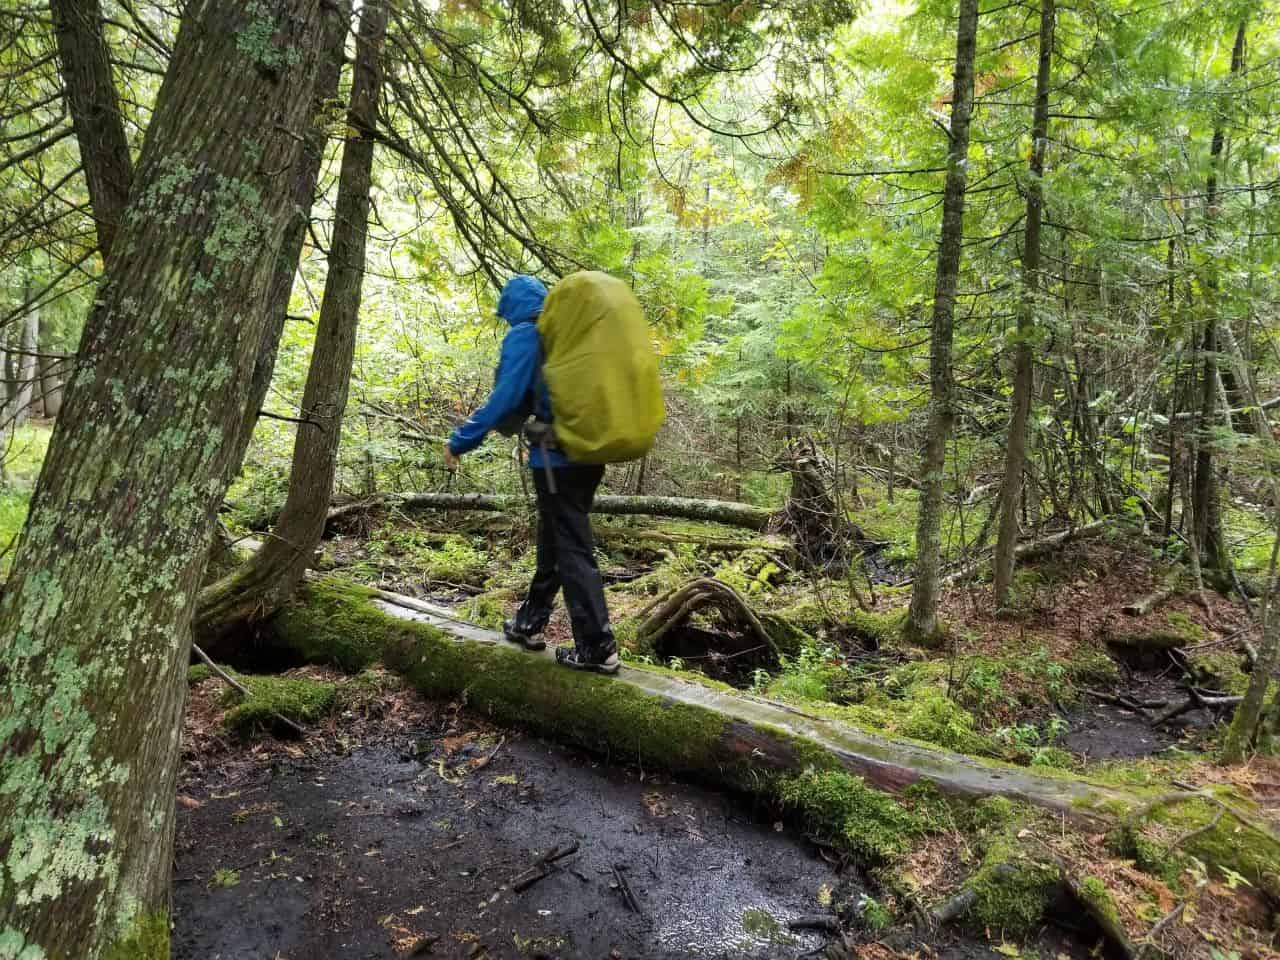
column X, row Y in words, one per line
column 543, row 868
column 1150, row 943
column 627, row 896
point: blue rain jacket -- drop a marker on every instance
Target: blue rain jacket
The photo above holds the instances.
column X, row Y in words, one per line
column 517, row 375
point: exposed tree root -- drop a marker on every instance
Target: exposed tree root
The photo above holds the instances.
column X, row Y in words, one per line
column 673, row 609
column 241, row 689
column 1106, row 920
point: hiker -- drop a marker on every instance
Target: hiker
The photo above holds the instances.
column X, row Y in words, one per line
column 565, row 490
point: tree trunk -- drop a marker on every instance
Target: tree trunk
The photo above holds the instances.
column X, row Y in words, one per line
column 1208, row 505
column 1015, row 454
column 95, row 620
column 1244, row 724
column 922, row 620
column 272, row 575
column 305, row 176
column 23, row 387
column 50, row 386
column 95, row 113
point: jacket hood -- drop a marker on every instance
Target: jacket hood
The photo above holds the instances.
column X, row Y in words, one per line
column 521, row 299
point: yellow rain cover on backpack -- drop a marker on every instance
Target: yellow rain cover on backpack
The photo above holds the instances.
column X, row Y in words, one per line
column 600, row 369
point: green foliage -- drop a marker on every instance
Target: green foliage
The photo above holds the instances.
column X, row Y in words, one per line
column 1013, row 882
column 875, row 915
column 809, row 676
column 20, row 463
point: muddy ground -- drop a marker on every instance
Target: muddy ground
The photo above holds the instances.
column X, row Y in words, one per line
column 410, row 845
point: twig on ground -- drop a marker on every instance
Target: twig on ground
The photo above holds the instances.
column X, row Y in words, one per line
column 485, row 761
column 1150, row 945
column 543, row 868
column 628, row 897
column 815, row 921
column 1119, row 700
column 1198, row 832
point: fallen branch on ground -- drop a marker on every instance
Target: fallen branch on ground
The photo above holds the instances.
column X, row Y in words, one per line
column 1197, row 701
column 628, row 897
column 1032, row 549
column 543, row 868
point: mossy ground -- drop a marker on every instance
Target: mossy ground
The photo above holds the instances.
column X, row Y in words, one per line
column 299, row 699
column 147, row 939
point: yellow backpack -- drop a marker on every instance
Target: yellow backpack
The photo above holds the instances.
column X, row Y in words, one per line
column 600, row 369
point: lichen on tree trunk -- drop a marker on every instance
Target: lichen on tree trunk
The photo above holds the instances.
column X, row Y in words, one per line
column 91, row 693
column 272, row 574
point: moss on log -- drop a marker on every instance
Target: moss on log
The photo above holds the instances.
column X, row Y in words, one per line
column 823, row 769
column 642, row 714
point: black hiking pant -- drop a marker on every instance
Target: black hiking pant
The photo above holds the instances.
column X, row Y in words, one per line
column 566, row 558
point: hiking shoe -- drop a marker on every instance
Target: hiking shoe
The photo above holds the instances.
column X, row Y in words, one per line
column 574, row 660
column 530, row 641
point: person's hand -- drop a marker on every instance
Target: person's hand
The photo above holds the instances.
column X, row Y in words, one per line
column 450, row 459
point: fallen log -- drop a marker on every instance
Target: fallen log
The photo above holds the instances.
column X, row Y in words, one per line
column 651, row 717
column 713, row 511
column 1033, row 548
column 641, row 714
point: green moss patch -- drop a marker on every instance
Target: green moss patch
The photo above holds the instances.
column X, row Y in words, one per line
column 146, row 939
column 296, row 698
column 841, row 811
column 1013, row 883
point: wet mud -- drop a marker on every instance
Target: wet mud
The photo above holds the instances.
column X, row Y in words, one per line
column 391, row 850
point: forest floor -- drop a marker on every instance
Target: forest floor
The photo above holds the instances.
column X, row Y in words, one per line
column 400, row 828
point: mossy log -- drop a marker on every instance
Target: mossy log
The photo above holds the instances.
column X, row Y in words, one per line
column 650, row 716
column 658, row 539
column 1033, row 549
column 715, row 511
column 642, row 714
